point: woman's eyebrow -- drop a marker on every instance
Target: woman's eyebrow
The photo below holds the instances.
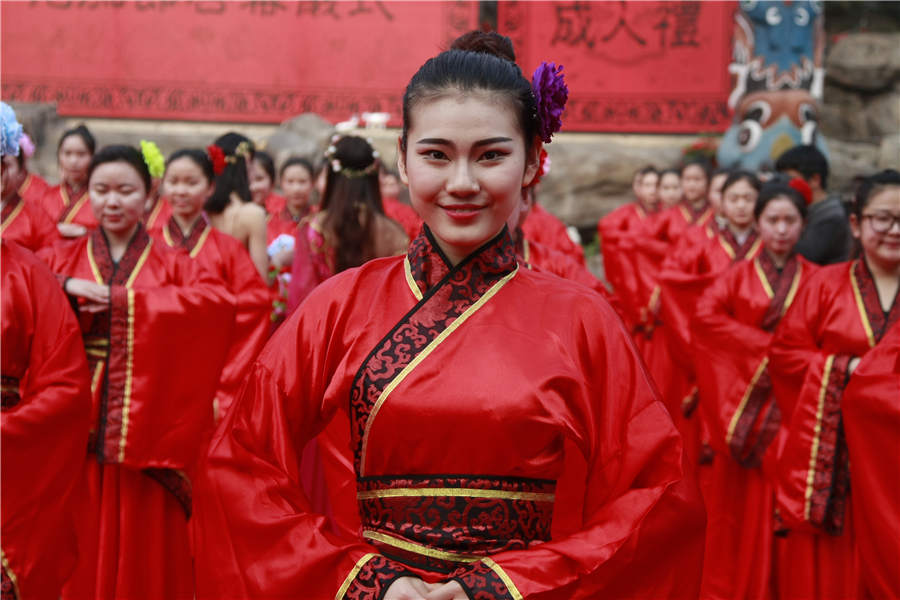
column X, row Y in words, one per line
column 484, row 142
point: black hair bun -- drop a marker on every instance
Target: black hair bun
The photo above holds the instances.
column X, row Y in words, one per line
column 486, row 43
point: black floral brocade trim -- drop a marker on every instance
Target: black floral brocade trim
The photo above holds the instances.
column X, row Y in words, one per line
column 444, row 300
column 480, row 582
column 740, row 250
column 7, row 587
column 179, row 240
column 829, row 491
column 175, row 483
column 781, row 284
column 374, row 578
column 110, row 272
column 9, row 392
column 880, row 321
column 469, row 525
column 757, row 426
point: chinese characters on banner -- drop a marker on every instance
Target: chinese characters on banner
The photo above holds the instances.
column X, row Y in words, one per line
column 649, row 67
column 249, row 61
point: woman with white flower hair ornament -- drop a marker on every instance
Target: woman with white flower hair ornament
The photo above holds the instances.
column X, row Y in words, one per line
column 350, row 227
column 475, row 390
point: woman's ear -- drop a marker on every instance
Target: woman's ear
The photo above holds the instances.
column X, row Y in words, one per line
column 855, row 226
column 401, row 162
column 532, row 162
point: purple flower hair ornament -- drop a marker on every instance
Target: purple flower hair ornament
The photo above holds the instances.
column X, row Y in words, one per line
column 550, row 95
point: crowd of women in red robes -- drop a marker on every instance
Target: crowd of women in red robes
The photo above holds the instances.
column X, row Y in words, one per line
column 214, row 390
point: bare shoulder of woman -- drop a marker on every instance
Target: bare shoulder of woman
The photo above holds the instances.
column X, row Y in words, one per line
column 250, row 216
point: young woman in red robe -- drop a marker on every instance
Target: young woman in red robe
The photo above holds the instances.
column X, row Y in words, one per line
column 68, row 203
column 296, row 177
column 262, row 183
column 33, row 186
column 457, row 437
column 351, row 227
column 189, row 181
column 734, row 322
column 390, row 186
column 871, row 417
column 155, row 328
column 231, row 209
column 628, row 220
column 44, row 414
column 844, row 311
column 21, row 221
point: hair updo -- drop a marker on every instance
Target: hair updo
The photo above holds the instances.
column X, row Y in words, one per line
column 779, row 187
column 737, row 176
column 234, row 178
column 126, row 154
column 871, row 185
column 475, row 61
column 82, row 132
column 198, row 157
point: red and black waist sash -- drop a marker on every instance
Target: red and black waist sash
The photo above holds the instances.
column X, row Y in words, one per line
column 441, row 522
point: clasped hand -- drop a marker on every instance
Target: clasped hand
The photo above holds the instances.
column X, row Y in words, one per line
column 413, row 588
column 93, row 297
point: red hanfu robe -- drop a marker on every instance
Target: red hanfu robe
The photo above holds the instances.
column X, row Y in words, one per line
column 155, row 359
column 46, row 408
column 731, row 334
column 33, row 188
column 457, row 439
column 156, row 220
column 646, row 249
column 228, row 259
column 27, row 224
column 542, row 227
column 283, row 222
column 836, row 317
column 274, row 203
column 628, row 220
column 548, row 260
column 404, row 215
column 65, row 206
column 871, row 413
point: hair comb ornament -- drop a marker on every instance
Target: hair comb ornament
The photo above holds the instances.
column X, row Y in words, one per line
column 337, row 167
column 550, row 96
column 242, row 151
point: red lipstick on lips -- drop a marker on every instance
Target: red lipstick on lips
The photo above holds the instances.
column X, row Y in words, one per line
column 462, row 212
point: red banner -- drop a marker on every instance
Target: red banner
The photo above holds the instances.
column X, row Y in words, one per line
column 631, row 66
column 256, row 61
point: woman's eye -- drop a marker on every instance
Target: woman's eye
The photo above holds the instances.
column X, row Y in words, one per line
column 493, row 155
column 434, row 155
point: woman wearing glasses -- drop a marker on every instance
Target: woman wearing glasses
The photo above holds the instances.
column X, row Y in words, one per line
column 843, row 313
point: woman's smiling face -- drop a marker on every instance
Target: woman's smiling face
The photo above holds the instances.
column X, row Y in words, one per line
column 465, row 164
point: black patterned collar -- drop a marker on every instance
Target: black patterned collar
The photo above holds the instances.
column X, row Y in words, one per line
column 429, row 265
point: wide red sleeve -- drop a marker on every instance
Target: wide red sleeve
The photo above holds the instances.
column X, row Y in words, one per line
column 45, row 420
column 871, row 421
column 180, row 330
column 808, row 382
column 255, row 533
column 636, row 501
column 253, row 305
column 730, row 359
